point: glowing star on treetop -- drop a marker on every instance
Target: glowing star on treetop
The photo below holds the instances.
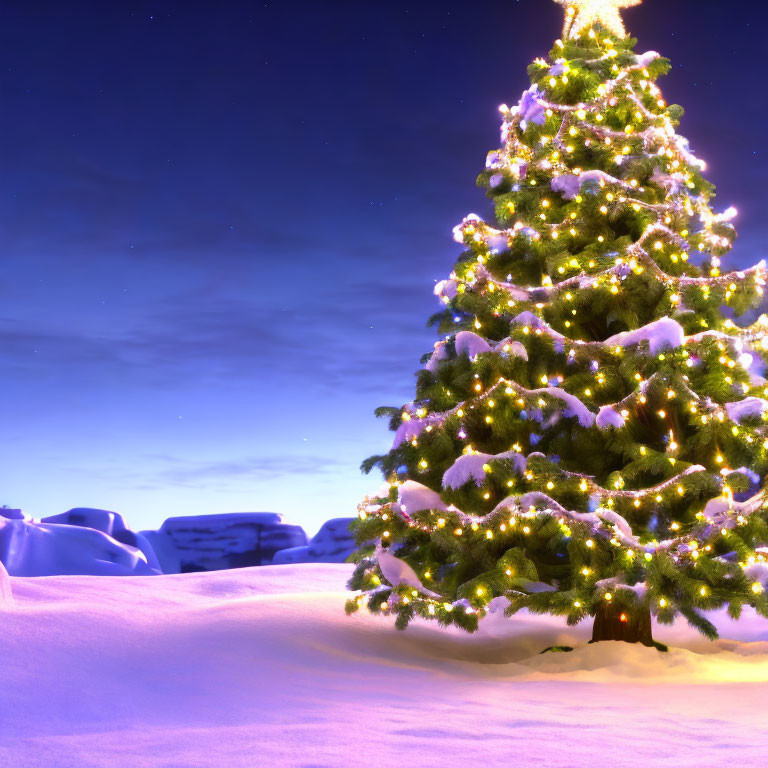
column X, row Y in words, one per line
column 583, row 14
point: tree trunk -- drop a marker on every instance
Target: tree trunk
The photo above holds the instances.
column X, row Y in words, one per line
column 615, row 623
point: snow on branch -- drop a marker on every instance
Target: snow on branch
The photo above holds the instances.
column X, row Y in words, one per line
column 475, row 465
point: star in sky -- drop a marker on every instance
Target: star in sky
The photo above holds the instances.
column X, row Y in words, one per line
column 583, row 14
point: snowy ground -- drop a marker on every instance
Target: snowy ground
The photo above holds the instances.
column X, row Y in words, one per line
column 260, row 667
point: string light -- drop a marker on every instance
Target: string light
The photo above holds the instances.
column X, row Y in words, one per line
column 547, row 168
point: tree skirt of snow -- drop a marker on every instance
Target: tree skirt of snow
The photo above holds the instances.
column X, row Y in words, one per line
column 261, row 667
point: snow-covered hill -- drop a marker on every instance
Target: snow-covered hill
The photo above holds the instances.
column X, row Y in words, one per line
column 260, row 667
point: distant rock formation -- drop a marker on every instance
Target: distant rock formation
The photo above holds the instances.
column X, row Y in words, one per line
column 112, row 524
column 11, row 514
column 333, row 543
column 49, row 549
column 216, row 542
column 86, row 517
column 89, row 541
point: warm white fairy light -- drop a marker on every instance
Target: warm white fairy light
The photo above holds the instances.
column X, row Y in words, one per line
column 664, row 243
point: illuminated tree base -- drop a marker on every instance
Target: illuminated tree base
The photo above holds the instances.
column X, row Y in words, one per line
column 615, row 623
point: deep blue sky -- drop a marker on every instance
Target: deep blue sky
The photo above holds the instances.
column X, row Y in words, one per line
column 221, row 222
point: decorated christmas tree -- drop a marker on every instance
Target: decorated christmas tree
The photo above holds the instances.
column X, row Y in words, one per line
column 589, row 438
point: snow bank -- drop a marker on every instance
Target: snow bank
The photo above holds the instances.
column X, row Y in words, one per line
column 260, row 667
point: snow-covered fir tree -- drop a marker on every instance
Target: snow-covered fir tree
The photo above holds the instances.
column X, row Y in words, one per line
column 589, row 437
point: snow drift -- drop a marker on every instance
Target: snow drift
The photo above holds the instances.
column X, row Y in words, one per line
column 260, row 667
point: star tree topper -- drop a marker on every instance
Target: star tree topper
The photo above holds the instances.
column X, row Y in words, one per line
column 582, row 14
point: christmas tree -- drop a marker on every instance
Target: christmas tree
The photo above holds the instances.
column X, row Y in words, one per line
column 589, row 438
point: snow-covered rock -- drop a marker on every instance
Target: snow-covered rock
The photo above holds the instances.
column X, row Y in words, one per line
column 86, row 517
column 111, row 523
column 6, row 596
column 236, row 540
column 164, row 551
column 11, row 514
column 47, row 549
column 333, row 543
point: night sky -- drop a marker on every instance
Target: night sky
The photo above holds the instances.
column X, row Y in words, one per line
column 221, row 223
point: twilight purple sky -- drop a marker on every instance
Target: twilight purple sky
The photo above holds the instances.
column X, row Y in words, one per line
column 220, row 225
